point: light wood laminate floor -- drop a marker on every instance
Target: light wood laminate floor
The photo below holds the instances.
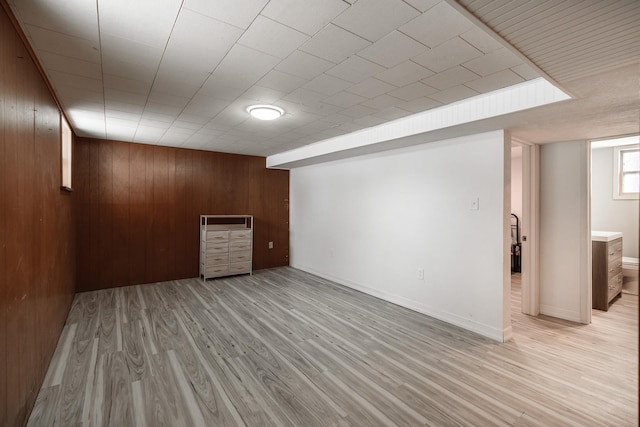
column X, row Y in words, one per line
column 285, row 348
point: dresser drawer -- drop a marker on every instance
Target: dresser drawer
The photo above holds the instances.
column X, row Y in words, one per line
column 614, row 250
column 240, row 245
column 217, row 259
column 240, row 256
column 240, row 234
column 217, row 248
column 614, row 286
column 215, row 236
column 216, row 270
column 614, row 268
column 240, row 267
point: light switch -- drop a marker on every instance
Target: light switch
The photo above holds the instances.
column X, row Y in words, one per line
column 475, row 204
column 270, row 245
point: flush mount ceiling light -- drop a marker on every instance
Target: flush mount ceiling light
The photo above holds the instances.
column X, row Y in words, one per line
column 265, row 112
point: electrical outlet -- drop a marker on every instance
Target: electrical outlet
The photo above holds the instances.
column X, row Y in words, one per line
column 420, row 274
column 270, row 245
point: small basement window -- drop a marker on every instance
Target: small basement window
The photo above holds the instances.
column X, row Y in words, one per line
column 626, row 169
column 66, row 137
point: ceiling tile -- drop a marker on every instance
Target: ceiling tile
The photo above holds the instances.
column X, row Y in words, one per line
column 481, row 40
column 271, row 37
column 117, row 121
column 370, row 88
column 303, row 15
column 453, row 94
column 392, row 113
column 304, row 96
column 412, row 91
column 191, row 121
column 158, row 126
column 373, row 19
column 437, row 25
column 171, row 111
column 234, row 12
column 318, row 108
column 125, row 58
column 222, row 88
column 157, row 117
column 525, row 71
column 423, row 5
column 327, row 84
column 355, row 69
column 76, row 18
column 303, row 65
column 359, row 111
column 200, row 40
column 495, row 81
column 280, row 81
column 334, row 44
column 404, row 74
column 344, row 99
column 381, row 102
column 263, row 94
column 450, row 53
column 419, row 105
column 62, row 44
column 118, row 132
column 338, row 118
column 243, row 66
column 65, row 64
column 451, row 77
column 123, row 115
column 69, row 80
column 369, row 121
column 393, row 49
column 92, row 103
column 168, row 99
column 144, row 21
column 179, row 82
column 123, row 106
column 204, row 105
column 492, row 62
column 118, row 95
column 127, row 85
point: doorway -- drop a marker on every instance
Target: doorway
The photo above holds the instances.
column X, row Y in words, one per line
column 524, row 203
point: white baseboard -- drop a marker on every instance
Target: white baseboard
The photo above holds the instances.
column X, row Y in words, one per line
column 495, row 334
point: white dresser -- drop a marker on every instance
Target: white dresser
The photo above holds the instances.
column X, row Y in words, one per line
column 226, row 245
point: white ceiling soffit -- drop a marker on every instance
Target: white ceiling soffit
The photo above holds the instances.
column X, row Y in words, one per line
column 181, row 73
column 413, row 129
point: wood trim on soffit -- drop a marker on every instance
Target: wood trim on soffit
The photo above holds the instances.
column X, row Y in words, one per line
column 34, row 58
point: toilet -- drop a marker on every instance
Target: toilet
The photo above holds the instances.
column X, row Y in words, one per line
column 630, row 275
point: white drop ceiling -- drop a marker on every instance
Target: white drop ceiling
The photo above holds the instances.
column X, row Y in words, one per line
column 182, row 72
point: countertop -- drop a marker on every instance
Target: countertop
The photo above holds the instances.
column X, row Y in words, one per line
column 605, row 236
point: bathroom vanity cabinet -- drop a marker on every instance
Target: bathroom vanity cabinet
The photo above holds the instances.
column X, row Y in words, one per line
column 606, row 280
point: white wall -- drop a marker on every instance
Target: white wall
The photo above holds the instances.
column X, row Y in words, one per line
column 565, row 236
column 607, row 213
column 370, row 222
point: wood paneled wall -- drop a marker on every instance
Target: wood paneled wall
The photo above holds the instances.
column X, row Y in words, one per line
column 36, row 229
column 138, row 209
